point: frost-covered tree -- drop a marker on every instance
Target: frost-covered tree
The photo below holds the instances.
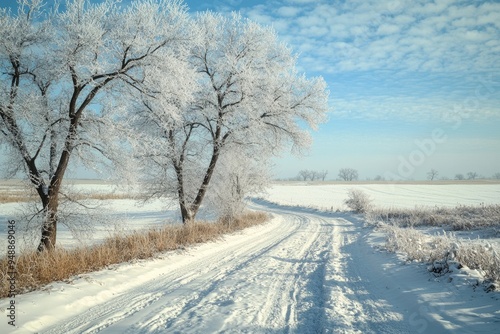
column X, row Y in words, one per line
column 304, row 174
column 67, row 77
column 472, row 175
column 248, row 94
column 322, row 175
column 238, row 174
column 348, row 174
column 432, row 174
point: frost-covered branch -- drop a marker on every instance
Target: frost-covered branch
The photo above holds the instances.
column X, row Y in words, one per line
column 247, row 95
column 73, row 71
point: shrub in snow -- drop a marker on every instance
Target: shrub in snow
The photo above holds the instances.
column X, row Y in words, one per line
column 417, row 246
column 445, row 254
column 483, row 257
column 358, row 201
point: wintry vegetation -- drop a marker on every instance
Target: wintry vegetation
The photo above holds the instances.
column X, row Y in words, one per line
column 358, row 201
column 459, row 218
column 246, row 103
column 348, row 174
column 444, row 252
column 432, row 174
column 429, row 235
column 472, row 175
column 66, row 79
column 98, row 84
column 35, row 270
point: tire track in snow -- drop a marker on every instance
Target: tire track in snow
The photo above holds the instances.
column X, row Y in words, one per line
column 167, row 320
column 355, row 306
column 248, row 277
column 283, row 292
column 303, row 296
column 206, row 268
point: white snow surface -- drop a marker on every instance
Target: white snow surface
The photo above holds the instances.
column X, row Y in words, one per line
column 305, row 271
column 384, row 195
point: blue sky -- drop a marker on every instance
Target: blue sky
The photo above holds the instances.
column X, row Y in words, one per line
column 414, row 84
column 398, row 71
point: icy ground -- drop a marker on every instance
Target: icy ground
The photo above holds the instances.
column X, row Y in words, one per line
column 303, row 272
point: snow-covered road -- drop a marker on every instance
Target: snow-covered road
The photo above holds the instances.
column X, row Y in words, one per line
column 304, row 272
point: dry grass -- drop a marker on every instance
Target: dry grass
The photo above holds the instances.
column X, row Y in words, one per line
column 465, row 217
column 106, row 196
column 13, row 196
column 18, row 196
column 444, row 249
column 16, row 191
column 35, row 270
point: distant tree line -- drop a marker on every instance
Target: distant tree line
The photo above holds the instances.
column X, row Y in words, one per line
column 351, row 174
column 312, row 175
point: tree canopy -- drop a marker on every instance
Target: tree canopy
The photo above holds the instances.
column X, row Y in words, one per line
column 192, row 98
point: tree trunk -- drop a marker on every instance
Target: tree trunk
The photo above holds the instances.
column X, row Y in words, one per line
column 186, row 213
column 49, row 228
column 50, row 196
column 189, row 211
column 50, row 202
column 195, row 206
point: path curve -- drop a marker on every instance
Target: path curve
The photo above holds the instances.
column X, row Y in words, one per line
column 303, row 272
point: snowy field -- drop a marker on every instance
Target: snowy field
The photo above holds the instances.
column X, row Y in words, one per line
column 306, row 271
column 105, row 217
column 385, row 195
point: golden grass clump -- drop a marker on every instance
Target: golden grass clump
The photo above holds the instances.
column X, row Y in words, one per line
column 34, row 270
column 15, row 197
column 18, row 196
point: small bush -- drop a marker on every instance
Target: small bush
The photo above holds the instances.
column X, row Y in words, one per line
column 358, row 201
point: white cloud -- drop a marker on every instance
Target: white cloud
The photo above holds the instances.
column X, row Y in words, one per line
column 317, row 31
column 474, row 35
column 288, row 11
column 403, row 20
column 448, row 39
column 491, row 17
column 442, row 35
column 260, row 14
column 464, row 22
column 433, row 8
column 387, row 29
